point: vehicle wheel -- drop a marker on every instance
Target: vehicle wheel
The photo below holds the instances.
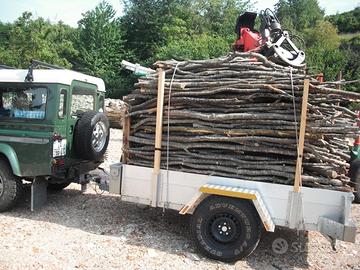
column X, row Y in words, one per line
column 355, row 178
column 91, row 136
column 10, row 187
column 57, row 187
column 226, row 229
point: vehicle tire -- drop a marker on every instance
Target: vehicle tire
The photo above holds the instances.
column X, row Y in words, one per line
column 355, row 178
column 225, row 228
column 10, row 187
column 57, row 187
column 91, row 136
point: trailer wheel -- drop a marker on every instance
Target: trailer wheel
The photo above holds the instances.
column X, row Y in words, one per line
column 226, row 229
column 10, row 187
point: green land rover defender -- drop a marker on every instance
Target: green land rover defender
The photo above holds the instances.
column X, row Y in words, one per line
column 53, row 130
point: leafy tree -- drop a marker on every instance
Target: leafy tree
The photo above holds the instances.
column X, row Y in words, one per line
column 5, row 30
column 322, row 59
column 36, row 39
column 347, row 22
column 152, row 25
column 142, row 23
column 219, row 16
column 201, row 29
column 351, row 69
column 101, row 47
column 323, row 34
column 299, row 14
column 194, row 47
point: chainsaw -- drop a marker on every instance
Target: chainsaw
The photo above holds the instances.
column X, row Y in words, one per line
column 271, row 40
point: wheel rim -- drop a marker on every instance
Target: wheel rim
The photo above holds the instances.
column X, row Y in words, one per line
column 99, row 136
column 224, row 228
column 1, row 186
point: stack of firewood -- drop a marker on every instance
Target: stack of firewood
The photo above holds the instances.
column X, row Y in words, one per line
column 239, row 116
column 115, row 110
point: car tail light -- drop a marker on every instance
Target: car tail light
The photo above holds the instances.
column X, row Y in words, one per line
column 57, row 137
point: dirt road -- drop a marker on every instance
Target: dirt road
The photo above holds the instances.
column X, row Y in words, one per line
column 91, row 231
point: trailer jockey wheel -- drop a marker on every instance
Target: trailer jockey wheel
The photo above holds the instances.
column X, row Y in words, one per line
column 225, row 228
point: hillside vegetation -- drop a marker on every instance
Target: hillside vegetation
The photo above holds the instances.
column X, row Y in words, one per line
column 150, row 30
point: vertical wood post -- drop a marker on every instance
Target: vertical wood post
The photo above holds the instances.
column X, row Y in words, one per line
column 126, row 134
column 300, row 146
column 158, row 137
column 339, row 78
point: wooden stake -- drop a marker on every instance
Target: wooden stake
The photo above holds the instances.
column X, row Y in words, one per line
column 298, row 170
column 339, row 78
column 158, row 136
column 126, row 134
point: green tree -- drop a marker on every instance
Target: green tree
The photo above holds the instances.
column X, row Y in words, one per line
column 143, row 22
column 351, row 70
column 201, row 29
column 101, row 47
column 322, row 34
column 201, row 46
column 170, row 27
column 347, row 22
column 323, row 52
column 36, row 39
column 299, row 14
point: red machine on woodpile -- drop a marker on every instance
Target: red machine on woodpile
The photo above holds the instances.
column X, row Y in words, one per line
column 271, row 40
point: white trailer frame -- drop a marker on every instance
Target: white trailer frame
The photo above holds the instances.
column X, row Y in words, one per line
column 325, row 211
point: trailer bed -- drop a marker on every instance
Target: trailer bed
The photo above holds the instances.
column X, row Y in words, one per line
column 176, row 189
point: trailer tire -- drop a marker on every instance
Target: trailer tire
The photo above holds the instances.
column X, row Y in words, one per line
column 226, row 229
column 10, row 187
column 355, row 178
column 92, row 135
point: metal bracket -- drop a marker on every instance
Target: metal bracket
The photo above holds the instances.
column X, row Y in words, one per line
column 295, row 217
column 38, row 193
column 337, row 230
column 345, row 229
column 83, row 181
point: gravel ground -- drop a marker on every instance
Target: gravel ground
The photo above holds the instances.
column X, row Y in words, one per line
column 91, row 231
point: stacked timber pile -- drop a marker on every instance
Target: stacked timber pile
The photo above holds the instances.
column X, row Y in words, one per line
column 115, row 110
column 238, row 116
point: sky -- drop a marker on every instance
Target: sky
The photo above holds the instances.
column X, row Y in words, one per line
column 69, row 11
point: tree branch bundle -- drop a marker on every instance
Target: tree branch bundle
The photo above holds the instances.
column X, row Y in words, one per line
column 234, row 116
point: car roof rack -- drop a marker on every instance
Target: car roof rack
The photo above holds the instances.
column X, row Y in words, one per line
column 36, row 63
column 6, row 67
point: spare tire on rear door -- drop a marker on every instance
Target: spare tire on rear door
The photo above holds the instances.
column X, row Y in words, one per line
column 91, row 135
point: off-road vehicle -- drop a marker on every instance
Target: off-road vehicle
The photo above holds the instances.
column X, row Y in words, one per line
column 52, row 129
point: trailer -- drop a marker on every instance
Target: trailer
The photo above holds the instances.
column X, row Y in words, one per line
column 230, row 214
column 224, row 208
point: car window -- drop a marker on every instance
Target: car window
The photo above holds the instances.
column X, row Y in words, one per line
column 28, row 103
column 62, row 103
column 82, row 101
column 101, row 104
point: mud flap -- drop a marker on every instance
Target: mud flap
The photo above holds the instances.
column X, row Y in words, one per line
column 38, row 193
